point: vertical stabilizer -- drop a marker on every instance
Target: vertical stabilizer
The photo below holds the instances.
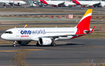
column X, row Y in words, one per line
column 25, row 26
column 76, row 2
column 43, row 1
column 85, row 21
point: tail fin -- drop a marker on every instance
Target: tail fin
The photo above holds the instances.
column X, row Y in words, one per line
column 25, row 26
column 85, row 21
column 43, row 1
column 76, row 2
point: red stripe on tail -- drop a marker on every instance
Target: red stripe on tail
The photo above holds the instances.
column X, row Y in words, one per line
column 84, row 23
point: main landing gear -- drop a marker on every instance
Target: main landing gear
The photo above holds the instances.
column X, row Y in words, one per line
column 37, row 44
column 53, row 44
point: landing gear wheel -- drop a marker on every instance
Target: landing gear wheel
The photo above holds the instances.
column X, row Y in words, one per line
column 14, row 44
column 37, row 44
column 53, row 44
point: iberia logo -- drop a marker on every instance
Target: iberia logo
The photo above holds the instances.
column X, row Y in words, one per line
column 24, row 35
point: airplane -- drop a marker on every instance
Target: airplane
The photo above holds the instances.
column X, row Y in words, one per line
column 56, row 3
column 89, row 3
column 12, row 2
column 47, row 36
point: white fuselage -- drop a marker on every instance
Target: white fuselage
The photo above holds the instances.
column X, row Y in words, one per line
column 12, row 1
column 66, row 3
column 91, row 3
column 36, row 33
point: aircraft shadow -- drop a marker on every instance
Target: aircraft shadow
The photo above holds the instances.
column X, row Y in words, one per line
column 68, row 44
column 57, row 45
column 16, row 45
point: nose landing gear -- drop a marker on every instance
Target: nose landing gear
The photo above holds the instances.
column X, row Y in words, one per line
column 14, row 43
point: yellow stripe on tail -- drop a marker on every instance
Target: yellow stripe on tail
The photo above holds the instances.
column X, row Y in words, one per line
column 88, row 11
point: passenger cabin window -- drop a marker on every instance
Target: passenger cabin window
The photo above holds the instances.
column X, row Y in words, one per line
column 9, row 32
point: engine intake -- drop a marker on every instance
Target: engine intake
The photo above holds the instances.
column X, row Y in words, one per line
column 45, row 41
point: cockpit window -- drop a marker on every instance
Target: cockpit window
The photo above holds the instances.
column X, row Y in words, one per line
column 9, row 32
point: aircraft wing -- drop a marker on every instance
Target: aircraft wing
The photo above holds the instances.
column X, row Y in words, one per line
column 96, row 3
column 63, row 3
column 57, row 36
column 92, row 3
column 55, row 3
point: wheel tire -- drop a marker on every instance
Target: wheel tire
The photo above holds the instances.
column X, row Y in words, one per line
column 37, row 44
column 14, row 45
column 53, row 45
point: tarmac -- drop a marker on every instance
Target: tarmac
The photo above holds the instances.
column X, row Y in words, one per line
column 66, row 52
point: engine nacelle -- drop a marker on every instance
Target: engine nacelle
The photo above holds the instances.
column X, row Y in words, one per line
column 102, row 5
column 45, row 41
column 23, row 42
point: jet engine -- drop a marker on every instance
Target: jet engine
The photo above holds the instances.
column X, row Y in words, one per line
column 102, row 5
column 23, row 42
column 97, row 5
column 45, row 41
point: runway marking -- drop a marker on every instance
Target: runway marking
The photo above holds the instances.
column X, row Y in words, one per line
column 18, row 50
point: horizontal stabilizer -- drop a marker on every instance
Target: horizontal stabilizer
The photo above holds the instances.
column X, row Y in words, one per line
column 92, row 29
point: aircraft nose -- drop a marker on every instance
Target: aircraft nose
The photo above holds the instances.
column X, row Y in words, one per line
column 3, row 36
